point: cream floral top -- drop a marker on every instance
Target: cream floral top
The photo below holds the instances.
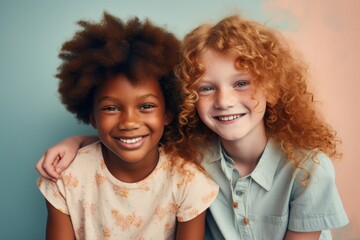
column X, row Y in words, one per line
column 102, row 207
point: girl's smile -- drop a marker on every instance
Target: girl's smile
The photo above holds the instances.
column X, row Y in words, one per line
column 130, row 117
column 228, row 102
column 131, row 143
column 229, row 118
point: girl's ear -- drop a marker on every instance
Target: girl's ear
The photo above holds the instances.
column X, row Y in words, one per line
column 168, row 118
column 92, row 120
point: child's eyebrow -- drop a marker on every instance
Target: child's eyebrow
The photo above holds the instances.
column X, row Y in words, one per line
column 109, row 98
column 242, row 74
column 237, row 75
column 104, row 98
column 149, row 95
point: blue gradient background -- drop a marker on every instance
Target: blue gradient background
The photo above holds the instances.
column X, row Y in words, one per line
column 32, row 117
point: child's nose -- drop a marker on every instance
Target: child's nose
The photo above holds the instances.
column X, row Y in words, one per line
column 128, row 120
column 224, row 99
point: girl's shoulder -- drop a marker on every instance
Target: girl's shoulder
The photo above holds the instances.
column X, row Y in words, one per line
column 92, row 148
column 176, row 163
column 319, row 162
column 179, row 168
column 315, row 170
column 87, row 157
column 186, row 176
column 322, row 165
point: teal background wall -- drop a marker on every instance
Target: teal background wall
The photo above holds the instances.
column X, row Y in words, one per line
column 31, row 115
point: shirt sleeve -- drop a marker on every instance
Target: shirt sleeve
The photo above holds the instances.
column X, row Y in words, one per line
column 317, row 206
column 54, row 193
column 198, row 191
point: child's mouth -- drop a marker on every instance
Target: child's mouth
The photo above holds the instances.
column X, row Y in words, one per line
column 130, row 140
column 229, row 117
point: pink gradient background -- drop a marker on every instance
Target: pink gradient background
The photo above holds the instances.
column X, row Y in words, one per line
column 327, row 32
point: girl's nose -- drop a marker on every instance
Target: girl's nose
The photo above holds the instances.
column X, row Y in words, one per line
column 224, row 99
column 128, row 120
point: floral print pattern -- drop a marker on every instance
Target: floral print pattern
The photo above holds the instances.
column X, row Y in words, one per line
column 102, row 207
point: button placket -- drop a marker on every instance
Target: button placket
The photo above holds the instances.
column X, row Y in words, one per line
column 238, row 196
column 239, row 192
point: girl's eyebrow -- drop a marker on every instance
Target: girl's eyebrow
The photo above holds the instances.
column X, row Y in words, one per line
column 149, row 95
column 109, row 98
column 104, row 98
column 242, row 74
column 237, row 75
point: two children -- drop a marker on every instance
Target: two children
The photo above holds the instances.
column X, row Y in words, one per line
column 249, row 118
column 118, row 77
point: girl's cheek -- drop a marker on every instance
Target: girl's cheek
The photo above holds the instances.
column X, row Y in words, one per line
column 247, row 95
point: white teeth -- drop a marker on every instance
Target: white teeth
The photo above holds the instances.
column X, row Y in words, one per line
column 228, row 118
column 127, row 140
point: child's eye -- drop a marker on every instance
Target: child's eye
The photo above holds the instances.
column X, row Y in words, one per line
column 147, row 106
column 241, row 84
column 110, row 108
column 205, row 89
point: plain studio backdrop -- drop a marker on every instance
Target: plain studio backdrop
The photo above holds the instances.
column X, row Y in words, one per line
column 32, row 117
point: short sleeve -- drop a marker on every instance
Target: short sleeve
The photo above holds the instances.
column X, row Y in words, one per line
column 317, row 206
column 54, row 193
column 198, row 192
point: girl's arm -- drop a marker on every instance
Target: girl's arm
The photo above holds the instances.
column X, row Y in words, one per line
column 290, row 235
column 59, row 226
column 193, row 229
column 58, row 157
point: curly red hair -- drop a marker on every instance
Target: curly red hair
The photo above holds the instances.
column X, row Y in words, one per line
column 291, row 117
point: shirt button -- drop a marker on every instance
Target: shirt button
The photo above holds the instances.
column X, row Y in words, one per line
column 235, row 205
column 239, row 193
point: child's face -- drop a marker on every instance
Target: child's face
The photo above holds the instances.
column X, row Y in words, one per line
column 228, row 103
column 130, row 118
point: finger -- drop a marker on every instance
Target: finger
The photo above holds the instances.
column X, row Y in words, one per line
column 48, row 165
column 41, row 171
column 63, row 163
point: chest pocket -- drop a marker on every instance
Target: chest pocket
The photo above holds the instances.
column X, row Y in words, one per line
column 268, row 227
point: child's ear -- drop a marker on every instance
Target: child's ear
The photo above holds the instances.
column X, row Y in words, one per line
column 92, row 120
column 168, row 118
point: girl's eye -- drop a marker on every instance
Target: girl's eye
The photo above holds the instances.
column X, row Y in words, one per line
column 205, row 89
column 241, row 84
column 110, row 108
column 147, row 106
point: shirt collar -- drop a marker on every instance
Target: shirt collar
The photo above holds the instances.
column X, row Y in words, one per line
column 264, row 171
column 213, row 153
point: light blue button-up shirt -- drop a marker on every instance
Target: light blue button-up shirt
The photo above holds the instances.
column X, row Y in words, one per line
column 272, row 198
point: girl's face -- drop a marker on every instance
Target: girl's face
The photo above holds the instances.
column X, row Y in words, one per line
column 130, row 119
column 228, row 102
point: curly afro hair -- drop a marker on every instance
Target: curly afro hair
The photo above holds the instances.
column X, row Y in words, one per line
column 110, row 47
